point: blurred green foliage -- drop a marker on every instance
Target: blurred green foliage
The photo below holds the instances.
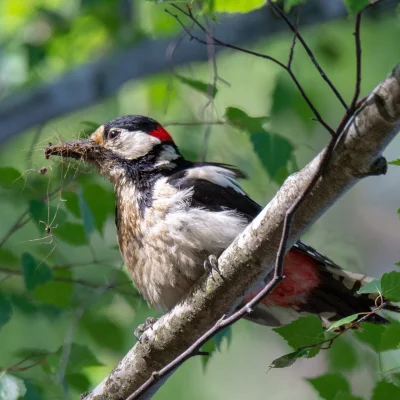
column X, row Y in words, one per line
column 67, row 307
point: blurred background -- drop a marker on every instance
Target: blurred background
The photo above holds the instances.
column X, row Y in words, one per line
column 68, row 66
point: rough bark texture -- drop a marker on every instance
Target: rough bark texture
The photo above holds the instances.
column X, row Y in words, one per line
column 357, row 155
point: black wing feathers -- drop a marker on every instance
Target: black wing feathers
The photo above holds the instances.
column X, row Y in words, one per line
column 214, row 197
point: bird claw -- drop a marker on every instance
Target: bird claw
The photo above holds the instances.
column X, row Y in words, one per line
column 211, row 264
column 143, row 328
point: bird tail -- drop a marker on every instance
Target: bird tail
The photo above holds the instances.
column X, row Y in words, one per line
column 314, row 284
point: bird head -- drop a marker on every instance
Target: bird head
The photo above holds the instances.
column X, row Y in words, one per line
column 131, row 143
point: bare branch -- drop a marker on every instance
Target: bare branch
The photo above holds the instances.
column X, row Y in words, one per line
column 194, row 123
column 221, row 43
column 357, row 35
column 295, row 33
column 109, row 286
column 294, row 29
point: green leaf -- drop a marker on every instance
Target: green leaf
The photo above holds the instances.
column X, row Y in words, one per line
column 11, row 387
column 239, row 119
column 32, row 391
column 390, row 339
column 395, row 162
column 237, row 6
column 72, row 203
column 355, row 6
column 43, row 214
column 202, row 87
column 56, row 293
column 104, row 332
column 89, row 128
column 7, row 257
column 6, row 310
column 372, row 287
column 100, row 209
column 90, row 124
column 343, row 321
column 35, row 273
column 290, row 3
column 286, row 100
column 330, row 386
column 26, row 352
column 220, row 336
column 79, row 382
column 342, row 355
column 289, row 359
column 303, row 332
column 273, row 150
column 370, row 334
column 35, row 54
column 209, row 347
column 395, row 378
column 71, row 233
column 88, row 221
column 24, row 304
column 385, row 391
column 390, row 283
column 80, row 357
column 10, row 178
column 29, row 306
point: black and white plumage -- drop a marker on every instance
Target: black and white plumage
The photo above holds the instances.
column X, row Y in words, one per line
column 171, row 214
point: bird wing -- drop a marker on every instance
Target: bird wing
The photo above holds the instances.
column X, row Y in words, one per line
column 215, row 188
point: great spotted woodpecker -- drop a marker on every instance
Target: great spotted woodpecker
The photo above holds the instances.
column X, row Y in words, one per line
column 173, row 214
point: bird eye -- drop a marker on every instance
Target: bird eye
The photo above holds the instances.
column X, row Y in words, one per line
column 113, row 133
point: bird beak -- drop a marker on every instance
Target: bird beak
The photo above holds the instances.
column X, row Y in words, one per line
column 84, row 150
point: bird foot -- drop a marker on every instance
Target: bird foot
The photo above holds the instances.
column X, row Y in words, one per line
column 211, row 264
column 143, row 328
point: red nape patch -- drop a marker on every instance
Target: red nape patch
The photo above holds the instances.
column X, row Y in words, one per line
column 301, row 277
column 162, row 134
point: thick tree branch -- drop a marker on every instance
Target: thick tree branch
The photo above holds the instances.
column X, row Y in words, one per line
column 356, row 155
column 93, row 82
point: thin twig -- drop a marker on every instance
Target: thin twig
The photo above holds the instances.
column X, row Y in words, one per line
column 309, row 52
column 194, row 123
column 113, row 286
column 354, row 102
column 77, row 315
column 295, row 34
column 212, row 60
column 18, row 224
column 35, row 139
column 218, row 42
column 357, row 36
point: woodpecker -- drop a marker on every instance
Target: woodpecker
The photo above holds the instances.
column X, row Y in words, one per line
column 174, row 217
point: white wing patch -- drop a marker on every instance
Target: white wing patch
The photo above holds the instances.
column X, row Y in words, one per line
column 349, row 278
column 218, row 175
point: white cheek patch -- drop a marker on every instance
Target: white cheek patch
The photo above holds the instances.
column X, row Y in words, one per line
column 220, row 176
column 133, row 145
